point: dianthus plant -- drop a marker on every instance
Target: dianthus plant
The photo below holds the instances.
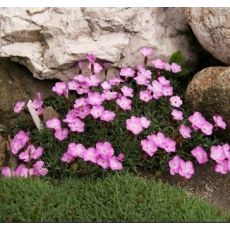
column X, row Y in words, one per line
column 96, row 97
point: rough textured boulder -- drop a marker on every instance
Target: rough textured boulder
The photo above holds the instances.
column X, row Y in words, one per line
column 209, row 92
column 49, row 41
column 212, row 29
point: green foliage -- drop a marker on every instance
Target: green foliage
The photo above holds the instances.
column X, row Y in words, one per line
column 120, row 197
column 157, row 111
column 177, row 57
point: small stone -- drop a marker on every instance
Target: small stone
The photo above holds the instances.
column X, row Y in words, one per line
column 49, row 113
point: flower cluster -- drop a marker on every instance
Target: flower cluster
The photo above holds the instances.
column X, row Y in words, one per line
column 221, row 155
column 181, row 167
column 137, row 124
column 154, row 141
column 91, row 94
column 101, row 155
column 29, row 157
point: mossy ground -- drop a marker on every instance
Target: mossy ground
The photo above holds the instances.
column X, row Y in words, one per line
column 121, row 197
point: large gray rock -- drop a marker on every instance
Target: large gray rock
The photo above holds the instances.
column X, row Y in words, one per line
column 212, row 29
column 209, row 92
column 49, row 41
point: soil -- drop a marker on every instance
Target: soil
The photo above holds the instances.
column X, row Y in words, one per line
column 206, row 184
column 18, row 84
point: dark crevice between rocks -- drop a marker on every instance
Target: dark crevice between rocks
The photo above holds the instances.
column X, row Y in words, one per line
column 18, row 84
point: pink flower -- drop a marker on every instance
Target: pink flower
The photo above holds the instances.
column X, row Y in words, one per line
column 217, row 153
column 163, row 142
column 144, row 122
column 167, row 91
column 95, row 98
column 177, row 115
column 94, row 80
column 174, row 165
column 175, row 68
column 158, row 139
column 127, row 91
column 222, row 167
column 61, row 134
column 96, row 67
column 134, row 125
column 60, row 88
column 73, row 85
column 106, row 85
column 115, row 164
column 169, row 145
column 80, row 102
column 145, row 95
column 207, row 128
column 7, row 172
column 107, row 116
column 104, row 163
column 149, row 147
column 91, row 58
column 146, row 51
column 19, row 106
column 53, row 123
column 22, row 171
column 200, row 154
column 143, row 76
column 158, row 64
column 219, row 122
column 37, row 102
column 115, row 81
column 124, row 103
column 175, row 101
column 156, row 88
column 197, row 120
column 31, row 153
column 121, row 157
column 77, row 126
column 91, row 155
column 77, row 150
column 108, row 95
column 186, row 169
column 81, row 112
column 127, row 72
column 97, row 111
column 67, row 157
column 19, row 141
column 167, row 67
column 185, row 131
column 163, row 81
column 104, row 149
column 226, row 149
column 39, row 170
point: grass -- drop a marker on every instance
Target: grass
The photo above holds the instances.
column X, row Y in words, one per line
column 120, row 197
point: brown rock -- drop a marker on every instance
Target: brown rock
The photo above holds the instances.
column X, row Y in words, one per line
column 17, row 84
column 209, row 92
column 49, row 113
column 3, row 149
